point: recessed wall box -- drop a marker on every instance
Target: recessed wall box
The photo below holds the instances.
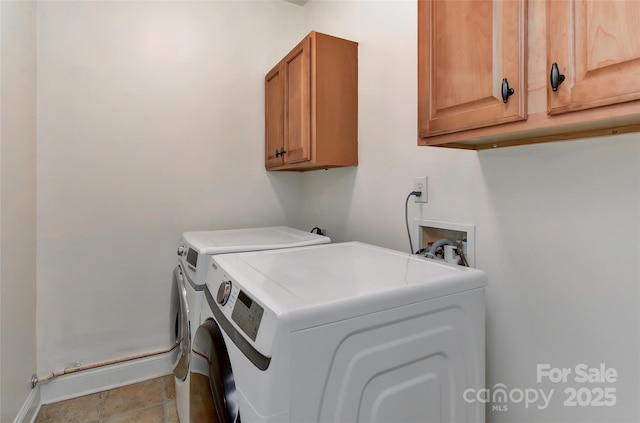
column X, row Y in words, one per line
column 433, row 230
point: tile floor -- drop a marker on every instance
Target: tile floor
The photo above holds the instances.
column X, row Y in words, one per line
column 151, row 401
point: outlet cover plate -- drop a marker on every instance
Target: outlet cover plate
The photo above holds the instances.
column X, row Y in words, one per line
column 420, row 184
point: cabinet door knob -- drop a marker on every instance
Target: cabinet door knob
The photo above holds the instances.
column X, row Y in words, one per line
column 282, row 152
column 556, row 77
column 277, row 153
column 506, row 91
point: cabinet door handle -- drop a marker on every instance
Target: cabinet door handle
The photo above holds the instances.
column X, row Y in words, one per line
column 556, row 77
column 506, row 91
column 280, row 152
column 277, row 153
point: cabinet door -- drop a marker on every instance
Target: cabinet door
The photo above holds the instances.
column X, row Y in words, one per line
column 596, row 45
column 465, row 50
column 297, row 103
column 274, row 113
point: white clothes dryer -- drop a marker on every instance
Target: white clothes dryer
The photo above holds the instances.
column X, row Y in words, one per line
column 190, row 277
column 338, row 333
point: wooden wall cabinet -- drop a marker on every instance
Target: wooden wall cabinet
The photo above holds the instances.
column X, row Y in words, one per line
column 311, row 106
column 592, row 90
column 596, row 47
column 471, row 54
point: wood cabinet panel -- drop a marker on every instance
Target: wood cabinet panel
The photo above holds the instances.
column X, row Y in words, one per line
column 596, row 45
column 334, row 113
column 599, row 46
column 318, row 83
column 465, row 50
column 274, row 109
column 297, row 115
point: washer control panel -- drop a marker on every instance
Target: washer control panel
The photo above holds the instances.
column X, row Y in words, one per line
column 243, row 309
column 247, row 314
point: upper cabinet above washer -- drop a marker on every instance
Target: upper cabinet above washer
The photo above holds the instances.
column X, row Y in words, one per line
column 311, row 106
column 574, row 66
column 472, row 64
column 595, row 46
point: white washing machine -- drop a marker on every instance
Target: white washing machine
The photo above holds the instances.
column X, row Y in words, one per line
column 338, row 333
column 189, row 281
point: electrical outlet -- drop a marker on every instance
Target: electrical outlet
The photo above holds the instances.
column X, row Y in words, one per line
column 420, row 185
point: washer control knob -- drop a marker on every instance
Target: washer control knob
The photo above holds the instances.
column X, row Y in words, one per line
column 224, row 291
column 181, row 250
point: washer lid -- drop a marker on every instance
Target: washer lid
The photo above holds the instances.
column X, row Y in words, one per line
column 251, row 239
column 331, row 282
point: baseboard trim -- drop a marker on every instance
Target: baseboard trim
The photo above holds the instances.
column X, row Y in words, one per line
column 108, row 377
column 30, row 408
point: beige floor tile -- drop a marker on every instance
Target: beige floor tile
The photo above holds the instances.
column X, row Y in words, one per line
column 84, row 409
column 200, row 401
column 132, row 397
column 153, row 414
column 172, row 412
column 170, row 386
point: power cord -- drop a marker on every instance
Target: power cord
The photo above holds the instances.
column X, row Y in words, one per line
column 319, row 231
column 406, row 217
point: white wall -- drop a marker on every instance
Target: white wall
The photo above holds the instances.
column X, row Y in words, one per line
column 17, row 204
column 1, row 211
column 557, row 224
column 557, row 232
column 150, row 123
column 367, row 202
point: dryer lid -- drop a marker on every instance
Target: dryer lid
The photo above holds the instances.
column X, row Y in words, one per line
column 344, row 280
column 251, row 239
